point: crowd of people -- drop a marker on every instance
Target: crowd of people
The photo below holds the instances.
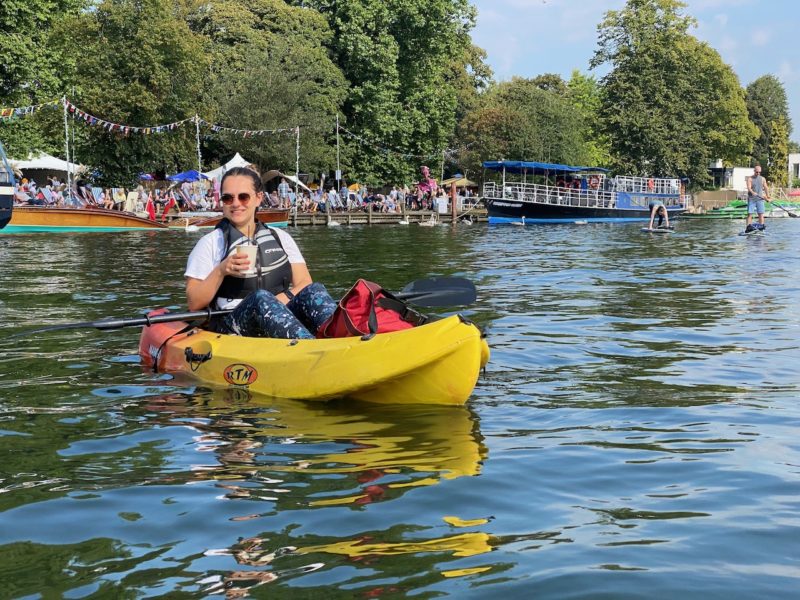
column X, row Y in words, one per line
column 205, row 196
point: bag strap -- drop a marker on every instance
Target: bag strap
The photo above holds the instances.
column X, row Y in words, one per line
column 406, row 312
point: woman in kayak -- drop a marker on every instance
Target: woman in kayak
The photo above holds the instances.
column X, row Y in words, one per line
column 273, row 296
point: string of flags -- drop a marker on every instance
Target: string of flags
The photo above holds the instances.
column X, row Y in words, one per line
column 6, row 114
column 244, row 132
column 77, row 113
column 124, row 129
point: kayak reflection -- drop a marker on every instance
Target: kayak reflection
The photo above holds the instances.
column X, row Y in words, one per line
column 342, row 453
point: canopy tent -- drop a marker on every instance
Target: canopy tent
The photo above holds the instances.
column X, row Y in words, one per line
column 461, row 182
column 270, row 175
column 41, row 161
column 191, row 175
column 236, row 161
column 537, row 168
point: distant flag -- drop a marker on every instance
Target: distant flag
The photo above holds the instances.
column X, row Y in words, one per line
column 170, row 203
column 151, row 207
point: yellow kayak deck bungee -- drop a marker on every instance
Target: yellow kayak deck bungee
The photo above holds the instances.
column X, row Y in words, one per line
column 436, row 363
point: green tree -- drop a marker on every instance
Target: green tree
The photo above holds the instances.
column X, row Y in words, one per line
column 670, row 104
column 518, row 120
column 779, row 152
column 139, row 65
column 396, row 55
column 270, row 70
column 32, row 70
column 584, row 93
column 767, row 104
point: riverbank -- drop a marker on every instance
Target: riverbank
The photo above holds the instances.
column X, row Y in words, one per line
column 361, row 217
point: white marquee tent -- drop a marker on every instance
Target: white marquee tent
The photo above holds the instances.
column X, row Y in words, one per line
column 239, row 161
column 236, row 161
column 42, row 161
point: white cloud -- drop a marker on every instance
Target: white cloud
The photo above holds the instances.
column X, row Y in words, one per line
column 721, row 19
column 761, row 37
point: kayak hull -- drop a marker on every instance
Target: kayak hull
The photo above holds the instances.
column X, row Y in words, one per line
column 436, row 363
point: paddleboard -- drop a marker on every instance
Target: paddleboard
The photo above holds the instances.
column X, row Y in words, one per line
column 755, row 232
column 669, row 229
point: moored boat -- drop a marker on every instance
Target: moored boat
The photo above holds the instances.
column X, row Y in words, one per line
column 737, row 209
column 37, row 219
column 436, row 363
column 6, row 188
column 565, row 194
column 275, row 217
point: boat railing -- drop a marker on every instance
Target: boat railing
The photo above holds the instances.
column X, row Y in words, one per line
column 551, row 194
column 647, row 185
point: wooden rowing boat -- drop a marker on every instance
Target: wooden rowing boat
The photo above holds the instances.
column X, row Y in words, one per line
column 33, row 219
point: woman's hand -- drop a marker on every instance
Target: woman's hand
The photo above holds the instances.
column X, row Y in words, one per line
column 235, row 264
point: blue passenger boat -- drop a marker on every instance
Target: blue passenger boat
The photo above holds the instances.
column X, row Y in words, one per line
column 554, row 193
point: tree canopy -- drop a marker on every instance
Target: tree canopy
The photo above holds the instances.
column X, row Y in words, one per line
column 769, row 110
column 670, row 104
column 403, row 76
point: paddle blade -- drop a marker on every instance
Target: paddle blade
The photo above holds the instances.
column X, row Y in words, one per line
column 440, row 291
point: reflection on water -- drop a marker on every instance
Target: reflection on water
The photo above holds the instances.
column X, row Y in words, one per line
column 635, row 434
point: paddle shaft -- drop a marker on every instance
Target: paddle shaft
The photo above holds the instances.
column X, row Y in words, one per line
column 444, row 291
column 790, row 213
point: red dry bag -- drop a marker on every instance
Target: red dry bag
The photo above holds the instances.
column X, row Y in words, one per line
column 368, row 309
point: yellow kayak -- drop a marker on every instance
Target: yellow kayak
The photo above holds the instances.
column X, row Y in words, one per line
column 436, row 363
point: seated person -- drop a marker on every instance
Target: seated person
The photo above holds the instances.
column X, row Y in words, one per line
column 277, row 297
column 657, row 208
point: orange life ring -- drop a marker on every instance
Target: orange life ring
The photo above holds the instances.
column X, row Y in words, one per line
column 594, row 182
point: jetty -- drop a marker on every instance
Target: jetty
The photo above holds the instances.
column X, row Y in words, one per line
column 360, row 217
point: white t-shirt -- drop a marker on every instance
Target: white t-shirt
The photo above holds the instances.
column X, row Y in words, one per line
column 209, row 251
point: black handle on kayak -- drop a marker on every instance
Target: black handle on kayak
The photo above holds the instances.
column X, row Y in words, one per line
column 437, row 291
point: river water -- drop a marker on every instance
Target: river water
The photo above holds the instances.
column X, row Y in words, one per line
column 635, row 434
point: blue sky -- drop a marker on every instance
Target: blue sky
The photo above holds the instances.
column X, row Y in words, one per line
column 531, row 37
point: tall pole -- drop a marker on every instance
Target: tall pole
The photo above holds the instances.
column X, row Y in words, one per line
column 338, row 165
column 66, row 149
column 197, row 140
column 297, row 162
column 443, row 154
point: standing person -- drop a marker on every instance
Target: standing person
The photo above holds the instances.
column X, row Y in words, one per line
column 757, row 193
column 279, row 300
column 283, row 193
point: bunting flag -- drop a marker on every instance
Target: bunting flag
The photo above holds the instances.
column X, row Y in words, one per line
column 6, row 114
column 246, row 133
column 109, row 126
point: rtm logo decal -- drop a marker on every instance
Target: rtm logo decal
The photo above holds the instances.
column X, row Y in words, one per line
column 240, row 374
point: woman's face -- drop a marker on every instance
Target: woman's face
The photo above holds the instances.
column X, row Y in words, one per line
column 239, row 201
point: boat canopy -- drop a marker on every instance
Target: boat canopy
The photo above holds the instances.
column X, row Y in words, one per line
column 537, row 168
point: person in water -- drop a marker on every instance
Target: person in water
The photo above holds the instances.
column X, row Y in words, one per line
column 657, row 208
column 275, row 297
column 757, row 193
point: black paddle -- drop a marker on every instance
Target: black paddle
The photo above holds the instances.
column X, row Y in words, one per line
column 438, row 291
column 790, row 213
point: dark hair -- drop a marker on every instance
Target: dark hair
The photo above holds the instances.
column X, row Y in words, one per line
column 244, row 172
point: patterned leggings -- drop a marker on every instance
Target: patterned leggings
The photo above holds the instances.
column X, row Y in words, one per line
column 261, row 314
